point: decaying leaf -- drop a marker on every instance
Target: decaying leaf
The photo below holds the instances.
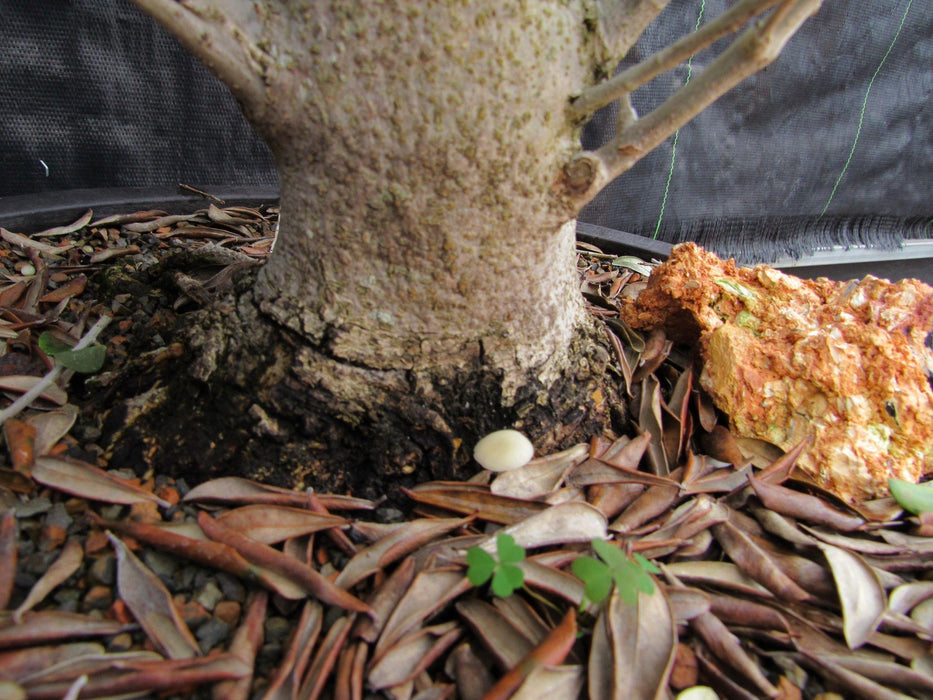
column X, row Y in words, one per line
column 270, row 524
column 67, row 563
column 861, row 595
column 87, row 481
column 540, row 476
column 412, row 654
column 552, row 682
column 573, row 521
column 151, row 605
column 52, row 625
column 641, row 641
column 237, row 490
column 474, row 499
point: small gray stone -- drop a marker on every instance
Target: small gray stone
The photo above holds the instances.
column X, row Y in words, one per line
column 277, row 629
column 163, row 565
column 111, row 512
column 34, row 506
column 231, row 587
column 209, row 596
column 212, row 633
column 104, row 570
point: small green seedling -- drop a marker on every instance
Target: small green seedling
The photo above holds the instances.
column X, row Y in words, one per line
column 629, row 574
column 506, row 576
column 86, row 361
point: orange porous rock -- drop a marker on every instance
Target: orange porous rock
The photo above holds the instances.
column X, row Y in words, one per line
column 787, row 358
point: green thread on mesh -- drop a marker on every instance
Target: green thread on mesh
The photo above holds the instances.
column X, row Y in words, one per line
column 861, row 117
column 670, row 174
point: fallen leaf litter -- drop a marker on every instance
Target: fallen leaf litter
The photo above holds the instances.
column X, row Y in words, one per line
column 113, row 584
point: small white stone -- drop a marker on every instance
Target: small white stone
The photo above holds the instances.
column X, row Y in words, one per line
column 698, row 692
column 503, row 451
column 27, row 270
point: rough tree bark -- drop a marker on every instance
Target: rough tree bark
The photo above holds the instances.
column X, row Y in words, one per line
column 423, row 287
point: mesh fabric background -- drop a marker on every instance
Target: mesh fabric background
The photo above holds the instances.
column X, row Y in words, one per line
column 832, row 143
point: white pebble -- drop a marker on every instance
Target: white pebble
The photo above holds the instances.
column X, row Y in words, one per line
column 27, row 270
column 503, row 451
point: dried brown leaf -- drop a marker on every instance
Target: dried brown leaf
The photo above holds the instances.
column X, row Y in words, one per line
column 265, row 556
column 67, row 563
column 412, row 654
column 270, row 524
column 21, row 444
column 231, row 490
column 384, row 600
column 64, row 230
column 150, row 677
column 473, row 499
column 7, row 556
column 245, row 645
column 504, row 641
column 755, row 561
column 188, row 541
column 861, row 595
column 402, row 541
column 323, row 663
column 795, row 504
column 287, row 678
column 719, row 443
column 52, row 426
column 87, row 481
column 73, row 287
column 23, row 383
column 573, row 521
column 650, row 420
column 540, row 476
column 722, row 574
column 643, row 638
column 856, row 684
column 22, row 663
column 552, row 682
column 52, row 625
column 151, row 605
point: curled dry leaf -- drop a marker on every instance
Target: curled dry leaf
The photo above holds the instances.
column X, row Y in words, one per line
column 755, row 561
column 7, row 556
column 573, row 521
column 318, row 673
column 540, row 476
column 262, row 555
column 551, row 652
column 231, row 490
column 795, row 504
column 52, row 426
column 504, row 640
column 21, row 444
column 552, row 682
column 245, row 645
column 861, row 595
column 412, row 654
column 188, row 541
column 642, row 639
column 474, row 499
column 430, row 591
column 151, row 605
column 287, row 679
column 402, row 541
column 87, row 481
column 67, row 563
column 20, row 384
column 52, row 625
column 270, row 524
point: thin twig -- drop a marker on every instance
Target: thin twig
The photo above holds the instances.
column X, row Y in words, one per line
column 753, row 50
column 26, row 399
column 667, row 59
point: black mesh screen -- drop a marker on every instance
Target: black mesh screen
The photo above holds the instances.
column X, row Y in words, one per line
column 834, row 140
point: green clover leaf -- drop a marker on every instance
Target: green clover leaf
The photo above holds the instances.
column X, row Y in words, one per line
column 596, row 577
column 506, row 576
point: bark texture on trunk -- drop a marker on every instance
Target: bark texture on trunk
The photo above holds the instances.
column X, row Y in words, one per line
column 424, row 274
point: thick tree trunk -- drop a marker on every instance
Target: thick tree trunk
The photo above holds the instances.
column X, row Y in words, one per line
column 423, row 279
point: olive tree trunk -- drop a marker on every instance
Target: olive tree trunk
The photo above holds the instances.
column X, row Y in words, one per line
column 430, row 173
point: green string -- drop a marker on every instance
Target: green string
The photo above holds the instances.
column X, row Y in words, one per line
column 861, row 118
column 670, row 174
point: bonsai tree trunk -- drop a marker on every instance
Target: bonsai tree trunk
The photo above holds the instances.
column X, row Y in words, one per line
column 423, row 284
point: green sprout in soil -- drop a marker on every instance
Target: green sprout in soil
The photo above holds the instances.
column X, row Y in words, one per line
column 86, row 360
column 506, row 576
column 630, row 575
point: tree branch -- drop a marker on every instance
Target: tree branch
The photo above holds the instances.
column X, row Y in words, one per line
column 204, row 30
column 667, row 59
column 749, row 53
column 619, row 23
